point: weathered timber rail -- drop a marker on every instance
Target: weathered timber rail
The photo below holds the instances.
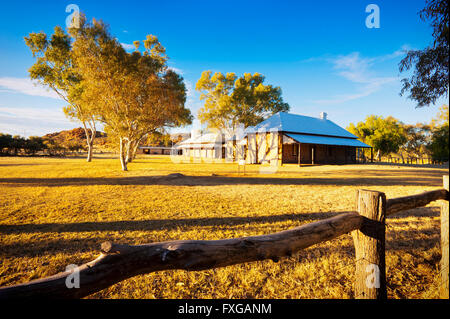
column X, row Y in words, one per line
column 367, row 225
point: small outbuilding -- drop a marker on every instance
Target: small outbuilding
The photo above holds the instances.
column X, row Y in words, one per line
column 207, row 146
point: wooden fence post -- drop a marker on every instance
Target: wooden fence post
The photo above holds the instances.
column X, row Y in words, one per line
column 370, row 246
column 444, row 287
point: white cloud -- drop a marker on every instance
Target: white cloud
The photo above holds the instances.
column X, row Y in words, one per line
column 176, row 70
column 127, row 46
column 29, row 113
column 359, row 70
column 27, row 121
column 25, row 86
column 396, row 54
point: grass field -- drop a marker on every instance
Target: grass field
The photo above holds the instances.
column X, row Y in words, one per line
column 56, row 212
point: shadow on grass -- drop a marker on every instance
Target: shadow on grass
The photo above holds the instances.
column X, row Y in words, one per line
column 417, row 212
column 158, row 224
column 52, row 246
column 413, row 240
column 396, row 239
column 368, row 178
column 21, row 164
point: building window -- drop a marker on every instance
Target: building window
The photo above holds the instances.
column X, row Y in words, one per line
column 294, row 149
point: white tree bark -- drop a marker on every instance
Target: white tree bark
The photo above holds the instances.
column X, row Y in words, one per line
column 90, row 136
column 122, row 154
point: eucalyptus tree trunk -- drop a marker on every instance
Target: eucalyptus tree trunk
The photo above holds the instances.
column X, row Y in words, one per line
column 90, row 136
column 129, row 146
column 128, row 151
column 379, row 156
column 132, row 150
column 122, row 154
column 90, row 149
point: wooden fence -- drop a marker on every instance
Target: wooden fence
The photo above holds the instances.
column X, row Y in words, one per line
column 366, row 224
column 415, row 160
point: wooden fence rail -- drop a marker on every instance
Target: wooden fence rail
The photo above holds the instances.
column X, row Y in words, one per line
column 119, row 262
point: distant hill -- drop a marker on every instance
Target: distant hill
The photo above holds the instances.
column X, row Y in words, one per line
column 75, row 140
column 75, row 134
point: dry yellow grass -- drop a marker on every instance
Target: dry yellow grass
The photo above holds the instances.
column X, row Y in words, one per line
column 56, row 212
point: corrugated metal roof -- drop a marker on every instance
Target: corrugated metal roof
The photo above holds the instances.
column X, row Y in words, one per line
column 209, row 140
column 155, row 147
column 294, row 123
column 205, row 138
column 204, row 146
column 325, row 140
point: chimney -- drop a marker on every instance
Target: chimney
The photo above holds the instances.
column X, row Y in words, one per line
column 323, row 115
column 195, row 133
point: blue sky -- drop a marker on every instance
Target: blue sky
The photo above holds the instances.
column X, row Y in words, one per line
column 320, row 53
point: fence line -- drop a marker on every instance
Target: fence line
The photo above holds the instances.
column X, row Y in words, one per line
column 367, row 225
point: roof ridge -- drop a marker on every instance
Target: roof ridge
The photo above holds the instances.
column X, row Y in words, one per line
column 311, row 117
column 290, row 122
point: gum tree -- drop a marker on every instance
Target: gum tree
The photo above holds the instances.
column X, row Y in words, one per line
column 385, row 135
column 231, row 100
column 135, row 94
column 439, row 145
column 55, row 68
column 429, row 80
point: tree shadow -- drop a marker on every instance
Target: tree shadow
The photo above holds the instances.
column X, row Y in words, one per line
column 22, row 164
column 412, row 239
column 51, row 246
column 45, row 247
column 417, row 212
column 413, row 179
column 158, row 224
column 396, row 240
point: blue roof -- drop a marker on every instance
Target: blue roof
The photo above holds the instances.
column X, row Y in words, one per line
column 338, row 141
column 294, row 123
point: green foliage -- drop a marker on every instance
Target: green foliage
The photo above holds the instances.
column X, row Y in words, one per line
column 418, row 138
column 230, row 101
column 430, row 78
column 14, row 145
column 440, row 135
column 53, row 147
column 135, row 93
column 55, row 68
column 17, row 144
column 439, row 143
column 385, row 135
column 158, row 139
column 441, row 117
column 6, row 141
column 34, row 144
column 53, row 144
